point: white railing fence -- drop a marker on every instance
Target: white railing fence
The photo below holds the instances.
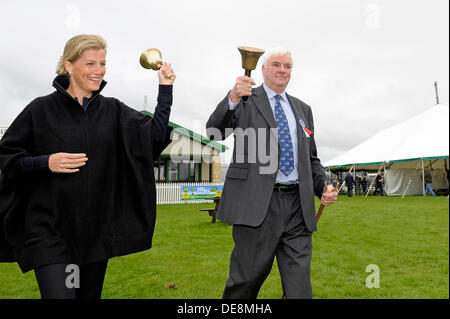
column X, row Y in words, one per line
column 170, row 193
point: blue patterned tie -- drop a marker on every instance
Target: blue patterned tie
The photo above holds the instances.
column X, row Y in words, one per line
column 284, row 138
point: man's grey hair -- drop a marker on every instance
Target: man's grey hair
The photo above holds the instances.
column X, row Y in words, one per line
column 277, row 51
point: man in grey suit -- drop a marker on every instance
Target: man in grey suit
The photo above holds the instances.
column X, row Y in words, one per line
column 269, row 189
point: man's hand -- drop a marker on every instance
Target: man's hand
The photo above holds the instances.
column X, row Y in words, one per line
column 66, row 162
column 242, row 87
column 329, row 196
column 166, row 75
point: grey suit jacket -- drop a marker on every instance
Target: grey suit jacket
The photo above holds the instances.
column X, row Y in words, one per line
column 250, row 178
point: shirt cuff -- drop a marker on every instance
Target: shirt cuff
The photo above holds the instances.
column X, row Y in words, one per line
column 232, row 105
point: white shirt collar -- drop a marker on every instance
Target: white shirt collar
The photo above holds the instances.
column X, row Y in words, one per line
column 271, row 93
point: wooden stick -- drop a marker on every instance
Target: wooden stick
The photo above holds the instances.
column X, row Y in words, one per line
column 322, row 206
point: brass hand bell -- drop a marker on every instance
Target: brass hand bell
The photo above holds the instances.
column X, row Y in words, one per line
column 151, row 59
column 250, row 57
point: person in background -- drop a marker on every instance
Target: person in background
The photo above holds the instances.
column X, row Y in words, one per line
column 428, row 180
column 379, row 184
column 349, row 182
column 364, row 181
column 357, row 185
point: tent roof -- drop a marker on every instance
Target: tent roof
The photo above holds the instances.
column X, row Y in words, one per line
column 424, row 136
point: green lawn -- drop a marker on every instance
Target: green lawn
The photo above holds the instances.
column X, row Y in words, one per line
column 408, row 239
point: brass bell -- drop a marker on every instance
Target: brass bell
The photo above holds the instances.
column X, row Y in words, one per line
column 151, row 59
column 250, row 58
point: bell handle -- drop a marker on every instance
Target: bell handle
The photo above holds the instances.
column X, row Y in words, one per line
column 245, row 98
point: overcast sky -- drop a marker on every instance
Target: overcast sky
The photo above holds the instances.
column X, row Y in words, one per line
column 361, row 65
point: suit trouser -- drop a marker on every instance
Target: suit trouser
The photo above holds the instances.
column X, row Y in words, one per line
column 52, row 281
column 283, row 234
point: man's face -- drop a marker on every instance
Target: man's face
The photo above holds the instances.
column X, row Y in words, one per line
column 277, row 73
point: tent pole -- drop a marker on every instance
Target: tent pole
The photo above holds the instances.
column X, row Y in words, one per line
column 423, row 179
column 409, row 182
column 354, row 177
column 371, row 184
column 407, row 186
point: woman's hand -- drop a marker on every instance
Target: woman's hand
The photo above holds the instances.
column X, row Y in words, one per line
column 166, row 75
column 66, row 162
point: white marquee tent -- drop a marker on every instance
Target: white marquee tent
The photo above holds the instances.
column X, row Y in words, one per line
column 404, row 150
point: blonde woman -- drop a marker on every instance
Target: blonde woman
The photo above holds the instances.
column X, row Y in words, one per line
column 77, row 184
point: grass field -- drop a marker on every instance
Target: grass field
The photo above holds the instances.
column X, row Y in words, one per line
column 408, row 239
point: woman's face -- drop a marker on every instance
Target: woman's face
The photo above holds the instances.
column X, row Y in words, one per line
column 87, row 71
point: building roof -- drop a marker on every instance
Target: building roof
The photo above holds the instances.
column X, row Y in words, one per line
column 195, row 136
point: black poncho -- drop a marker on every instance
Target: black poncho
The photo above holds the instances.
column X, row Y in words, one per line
column 106, row 209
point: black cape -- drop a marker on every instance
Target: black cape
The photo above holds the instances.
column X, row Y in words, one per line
column 108, row 208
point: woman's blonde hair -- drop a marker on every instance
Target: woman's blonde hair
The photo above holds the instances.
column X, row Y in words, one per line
column 75, row 46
